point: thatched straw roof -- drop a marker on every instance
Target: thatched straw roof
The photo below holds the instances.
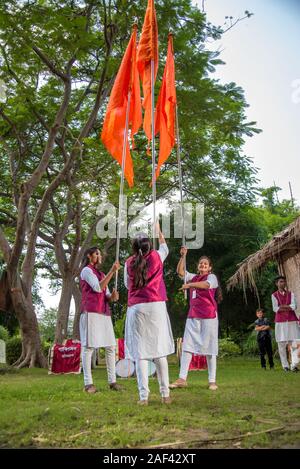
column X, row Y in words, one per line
column 282, row 245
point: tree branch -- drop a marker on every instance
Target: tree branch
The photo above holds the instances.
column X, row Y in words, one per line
column 31, row 184
column 48, row 239
column 54, row 273
column 5, row 247
column 50, row 65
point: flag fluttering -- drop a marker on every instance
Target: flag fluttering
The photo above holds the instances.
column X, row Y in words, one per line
column 126, row 83
column 148, row 51
column 166, row 109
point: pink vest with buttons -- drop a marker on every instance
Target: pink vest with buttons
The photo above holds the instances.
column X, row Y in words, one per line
column 284, row 299
column 202, row 301
column 92, row 301
column 155, row 289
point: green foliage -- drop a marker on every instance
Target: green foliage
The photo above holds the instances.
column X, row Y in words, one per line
column 47, row 323
column 119, row 327
column 13, row 349
column 212, row 145
column 250, row 345
column 46, row 347
column 4, row 334
column 227, row 348
column 10, row 322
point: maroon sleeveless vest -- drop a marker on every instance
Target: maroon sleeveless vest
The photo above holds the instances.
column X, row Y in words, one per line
column 92, row 301
column 202, row 303
column 155, row 289
column 286, row 299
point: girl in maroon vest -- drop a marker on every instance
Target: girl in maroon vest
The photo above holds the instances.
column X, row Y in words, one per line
column 96, row 329
column 201, row 330
column 148, row 334
column 287, row 328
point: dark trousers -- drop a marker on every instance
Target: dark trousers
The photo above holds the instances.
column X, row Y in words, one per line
column 265, row 347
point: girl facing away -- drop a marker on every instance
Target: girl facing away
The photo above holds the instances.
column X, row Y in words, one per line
column 148, row 334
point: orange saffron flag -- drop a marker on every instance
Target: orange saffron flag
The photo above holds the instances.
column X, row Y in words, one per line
column 166, row 109
column 127, row 80
column 148, row 51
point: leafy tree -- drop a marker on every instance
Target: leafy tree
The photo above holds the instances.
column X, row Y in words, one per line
column 47, row 323
column 58, row 62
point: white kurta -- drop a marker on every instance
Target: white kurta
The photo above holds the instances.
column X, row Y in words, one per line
column 96, row 330
column 289, row 330
column 201, row 335
column 148, row 332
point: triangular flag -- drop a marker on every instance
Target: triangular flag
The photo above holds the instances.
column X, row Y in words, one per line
column 112, row 135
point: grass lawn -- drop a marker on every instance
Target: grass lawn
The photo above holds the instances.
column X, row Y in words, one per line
column 41, row 410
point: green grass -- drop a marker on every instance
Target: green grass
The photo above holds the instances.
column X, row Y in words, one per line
column 41, row 410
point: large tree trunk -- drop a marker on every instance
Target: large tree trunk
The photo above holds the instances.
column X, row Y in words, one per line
column 32, row 353
column 64, row 308
column 77, row 300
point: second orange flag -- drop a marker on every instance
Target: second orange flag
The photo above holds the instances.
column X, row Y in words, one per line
column 127, row 80
column 166, row 109
column 148, row 51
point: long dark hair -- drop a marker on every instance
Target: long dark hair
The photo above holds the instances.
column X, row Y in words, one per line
column 140, row 246
column 86, row 260
column 218, row 294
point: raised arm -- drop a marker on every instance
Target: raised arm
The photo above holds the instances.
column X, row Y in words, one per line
column 161, row 238
column 182, row 262
column 108, row 277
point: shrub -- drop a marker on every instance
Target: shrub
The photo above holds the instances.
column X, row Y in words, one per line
column 250, row 345
column 4, row 334
column 46, row 347
column 227, row 348
column 13, row 349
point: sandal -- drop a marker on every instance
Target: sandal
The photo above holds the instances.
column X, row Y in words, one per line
column 179, row 383
column 166, row 400
column 116, row 387
column 142, row 402
column 90, row 388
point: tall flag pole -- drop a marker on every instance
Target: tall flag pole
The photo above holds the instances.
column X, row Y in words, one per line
column 122, row 187
column 166, row 125
column 123, row 111
column 181, row 194
column 147, row 62
column 153, row 155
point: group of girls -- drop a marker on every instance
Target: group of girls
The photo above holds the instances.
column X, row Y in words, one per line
column 148, row 333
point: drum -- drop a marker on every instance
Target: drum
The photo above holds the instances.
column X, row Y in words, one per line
column 125, row 368
column 151, row 368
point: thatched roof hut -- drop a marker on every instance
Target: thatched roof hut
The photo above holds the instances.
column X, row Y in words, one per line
column 283, row 248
